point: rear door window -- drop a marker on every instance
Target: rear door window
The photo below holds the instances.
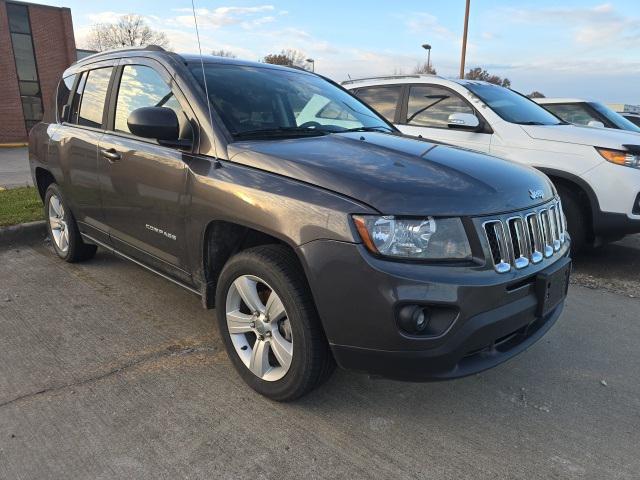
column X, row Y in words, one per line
column 430, row 106
column 93, row 97
column 384, row 99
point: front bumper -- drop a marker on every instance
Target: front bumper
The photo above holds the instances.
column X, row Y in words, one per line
column 494, row 315
column 615, row 206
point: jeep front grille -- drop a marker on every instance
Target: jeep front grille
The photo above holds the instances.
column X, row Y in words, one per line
column 527, row 237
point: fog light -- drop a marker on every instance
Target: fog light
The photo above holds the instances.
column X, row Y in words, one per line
column 413, row 318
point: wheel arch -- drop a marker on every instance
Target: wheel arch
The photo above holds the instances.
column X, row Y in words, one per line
column 44, row 178
column 221, row 240
column 585, row 194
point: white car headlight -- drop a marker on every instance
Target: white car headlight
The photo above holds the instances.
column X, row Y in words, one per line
column 620, row 157
column 410, row 238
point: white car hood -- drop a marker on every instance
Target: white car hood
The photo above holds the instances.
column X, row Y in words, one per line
column 596, row 137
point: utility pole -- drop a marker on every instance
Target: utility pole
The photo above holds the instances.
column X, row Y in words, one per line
column 464, row 39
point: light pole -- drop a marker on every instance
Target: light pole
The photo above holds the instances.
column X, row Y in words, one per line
column 427, row 47
column 313, row 64
column 464, row 39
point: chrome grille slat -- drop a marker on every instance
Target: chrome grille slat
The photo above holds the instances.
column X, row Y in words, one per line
column 522, row 239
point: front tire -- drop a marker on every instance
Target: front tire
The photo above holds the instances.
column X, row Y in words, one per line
column 576, row 219
column 269, row 323
column 63, row 230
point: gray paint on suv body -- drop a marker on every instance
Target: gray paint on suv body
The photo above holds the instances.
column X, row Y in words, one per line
column 301, row 191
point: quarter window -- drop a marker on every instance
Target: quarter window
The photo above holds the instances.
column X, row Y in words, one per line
column 93, row 97
column 142, row 86
column 64, row 90
column 430, row 106
column 383, row 99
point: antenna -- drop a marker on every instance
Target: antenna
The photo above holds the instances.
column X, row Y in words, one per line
column 204, row 78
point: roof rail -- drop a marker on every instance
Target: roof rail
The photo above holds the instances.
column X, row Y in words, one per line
column 386, row 77
column 150, row 48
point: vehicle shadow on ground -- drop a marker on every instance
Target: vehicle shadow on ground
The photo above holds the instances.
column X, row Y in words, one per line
column 614, row 267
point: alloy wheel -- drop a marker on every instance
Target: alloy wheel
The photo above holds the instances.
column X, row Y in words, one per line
column 259, row 328
column 58, row 223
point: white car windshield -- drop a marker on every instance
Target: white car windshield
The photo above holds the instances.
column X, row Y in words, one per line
column 511, row 106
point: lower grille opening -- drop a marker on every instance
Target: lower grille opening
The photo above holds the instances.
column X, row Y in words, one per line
column 522, row 283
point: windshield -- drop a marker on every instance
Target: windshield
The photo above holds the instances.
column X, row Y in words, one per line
column 511, row 106
column 615, row 118
column 259, row 102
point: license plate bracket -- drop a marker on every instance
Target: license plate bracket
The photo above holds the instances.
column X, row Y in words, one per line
column 552, row 287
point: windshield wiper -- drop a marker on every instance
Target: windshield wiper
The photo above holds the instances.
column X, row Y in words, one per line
column 378, row 128
column 280, row 132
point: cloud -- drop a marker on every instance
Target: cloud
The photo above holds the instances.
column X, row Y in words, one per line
column 225, row 16
column 427, row 24
column 599, row 26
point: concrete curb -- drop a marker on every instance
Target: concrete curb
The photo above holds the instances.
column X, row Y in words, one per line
column 23, row 233
column 13, row 145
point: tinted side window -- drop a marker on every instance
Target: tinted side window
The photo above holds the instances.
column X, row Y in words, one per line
column 142, row 86
column 64, row 90
column 572, row 113
column 93, row 97
column 430, row 106
column 383, row 99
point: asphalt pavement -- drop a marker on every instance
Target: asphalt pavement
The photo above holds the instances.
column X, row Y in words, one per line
column 14, row 167
column 107, row 371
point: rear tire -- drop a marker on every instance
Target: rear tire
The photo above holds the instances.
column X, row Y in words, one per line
column 577, row 219
column 260, row 273
column 63, row 229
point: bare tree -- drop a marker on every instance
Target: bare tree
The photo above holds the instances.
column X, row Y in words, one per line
column 129, row 31
column 223, row 53
column 536, row 94
column 289, row 57
column 481, row 74
column 425, row 68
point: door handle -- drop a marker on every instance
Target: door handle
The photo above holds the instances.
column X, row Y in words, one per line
column 110, row 154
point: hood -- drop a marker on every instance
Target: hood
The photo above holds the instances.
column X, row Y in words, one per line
column 398, row 175
column 595, row 137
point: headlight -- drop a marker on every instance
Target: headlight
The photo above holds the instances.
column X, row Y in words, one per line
column 620, row 157
column 420, row 239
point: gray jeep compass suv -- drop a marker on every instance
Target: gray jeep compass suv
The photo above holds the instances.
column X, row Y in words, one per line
column 318, row 232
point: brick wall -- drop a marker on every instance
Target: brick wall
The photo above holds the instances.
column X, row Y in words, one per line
column 55, row 50
column 12, row 127
column 52, row 27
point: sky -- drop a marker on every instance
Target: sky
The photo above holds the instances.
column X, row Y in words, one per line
column 562, row 48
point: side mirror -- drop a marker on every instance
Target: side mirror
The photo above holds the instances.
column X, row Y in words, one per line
column 159, row 123
column 595, row 123
column 465, row 121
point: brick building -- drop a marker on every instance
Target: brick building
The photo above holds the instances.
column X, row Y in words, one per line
column 36, row 45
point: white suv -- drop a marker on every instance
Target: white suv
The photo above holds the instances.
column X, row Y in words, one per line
column 596, row 171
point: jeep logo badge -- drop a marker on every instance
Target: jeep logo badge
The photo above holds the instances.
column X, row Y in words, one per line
column 535, row 194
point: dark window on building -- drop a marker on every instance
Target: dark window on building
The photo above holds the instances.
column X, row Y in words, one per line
column 23, row 52
column 383, row 99
column 93, row 97
column 430, row 106
column 142, row 86
column 64, row 91
column 18, row 18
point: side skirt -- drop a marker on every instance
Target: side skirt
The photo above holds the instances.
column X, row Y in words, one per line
column 126, row 257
